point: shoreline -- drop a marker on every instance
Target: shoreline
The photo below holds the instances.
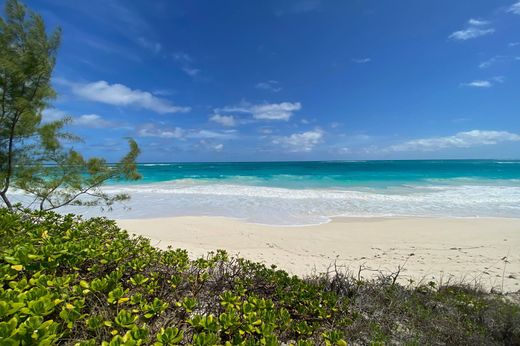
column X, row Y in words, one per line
column 473, row 250
column 330, row 219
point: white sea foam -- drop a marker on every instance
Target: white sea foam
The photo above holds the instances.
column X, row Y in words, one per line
column 281, row 206
column 154, row 164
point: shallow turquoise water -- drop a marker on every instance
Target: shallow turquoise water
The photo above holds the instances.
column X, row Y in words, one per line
column 302, row 193
column 334, row 174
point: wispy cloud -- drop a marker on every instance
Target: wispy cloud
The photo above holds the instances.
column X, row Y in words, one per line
column 191, row 71
column 155, row 47
column 164, row 131
column 265, row 111
column 182, row 56
column 163, row 92
column 489, row 62
column 103, row 45
column 459, row 140
column 514, row 44
column 227, row 134
column 361, row 60
column 476, row 28
column 499, row 79
column 300, row 142
column 151, row 130
column 186, row 62
column 497, row 59
column 209, row 145
column 224, row 120
column 121, row 95
column 85, row 120
column 271, row 85
column 478, row 22
column 478, row 84
column 91, row 121
column 484, row 83
column 122, row 18
column 515, row 8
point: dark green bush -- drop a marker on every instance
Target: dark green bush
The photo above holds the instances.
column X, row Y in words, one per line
column 64, row 280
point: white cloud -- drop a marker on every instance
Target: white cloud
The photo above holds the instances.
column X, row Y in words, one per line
column 154, row 130
column 300, row 142
column 275, row 111
column 265, row 111
column 460, row 140
column 86, row 120
column 515, row 8
column 150, row 130
column 471, row 33
column 229, row 134
column 91, row 121
column 362, row 60
column 478, row 84
column 121, row 95
column 224, row 120
column 514, row 44
column 476, row 28
column 271, row 85
column 478, row 22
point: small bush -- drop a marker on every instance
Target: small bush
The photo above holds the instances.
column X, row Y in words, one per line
column 65, row 280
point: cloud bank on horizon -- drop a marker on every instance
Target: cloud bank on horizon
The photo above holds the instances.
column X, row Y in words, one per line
column 291, row 79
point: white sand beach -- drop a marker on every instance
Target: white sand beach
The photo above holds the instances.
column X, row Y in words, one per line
column 482, row 250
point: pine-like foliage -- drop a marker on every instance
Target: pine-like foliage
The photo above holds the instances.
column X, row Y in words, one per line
column 32, row 155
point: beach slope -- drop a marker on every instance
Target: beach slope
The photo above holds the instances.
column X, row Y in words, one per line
column 485, row 251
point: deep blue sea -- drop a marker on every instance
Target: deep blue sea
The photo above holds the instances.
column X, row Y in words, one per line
column 297, row 193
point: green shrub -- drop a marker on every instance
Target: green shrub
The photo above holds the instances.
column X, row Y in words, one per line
column 64, row 280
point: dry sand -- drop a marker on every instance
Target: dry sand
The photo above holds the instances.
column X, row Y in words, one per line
column 482, row 250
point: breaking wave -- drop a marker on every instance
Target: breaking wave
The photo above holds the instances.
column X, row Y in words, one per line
column 283, row 206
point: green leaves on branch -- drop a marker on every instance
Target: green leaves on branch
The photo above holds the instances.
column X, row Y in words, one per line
column 89, row 283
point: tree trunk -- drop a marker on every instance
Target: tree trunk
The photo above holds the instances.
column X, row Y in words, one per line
column 7, row 181
column 6, row 201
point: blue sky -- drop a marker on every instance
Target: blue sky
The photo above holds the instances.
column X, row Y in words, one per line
column 290, row 80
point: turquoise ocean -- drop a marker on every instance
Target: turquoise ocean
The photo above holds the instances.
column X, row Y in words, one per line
column 301, row 193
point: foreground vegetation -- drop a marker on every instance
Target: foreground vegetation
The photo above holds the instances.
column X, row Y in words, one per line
column 64, row 280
